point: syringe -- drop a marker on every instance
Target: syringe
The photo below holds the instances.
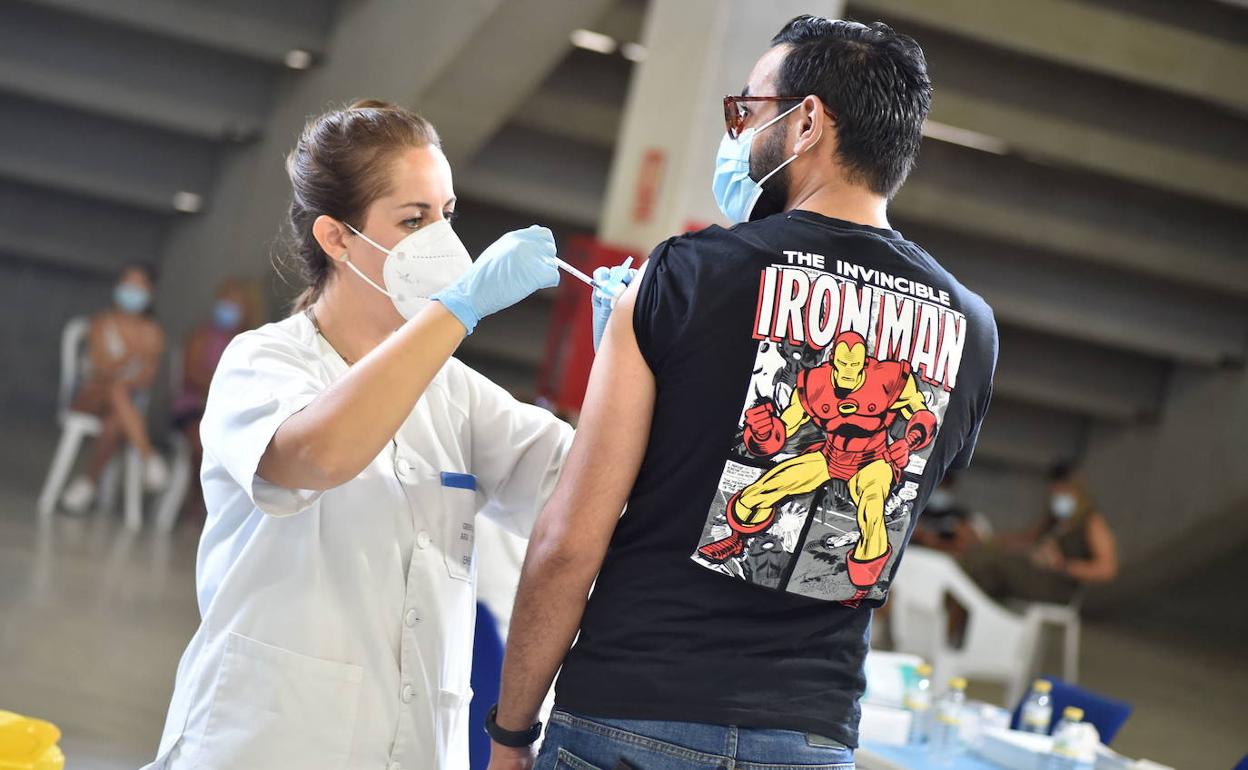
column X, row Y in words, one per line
column 576, row 273
column 615, row 291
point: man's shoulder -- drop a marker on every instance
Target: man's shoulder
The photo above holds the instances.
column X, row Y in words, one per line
column 964, row 299
column 972, row 304
column 738, row 239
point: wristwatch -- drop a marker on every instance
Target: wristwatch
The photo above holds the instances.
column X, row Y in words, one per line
column 509, row 738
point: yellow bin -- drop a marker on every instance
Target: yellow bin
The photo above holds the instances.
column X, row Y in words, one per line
column 27, row 743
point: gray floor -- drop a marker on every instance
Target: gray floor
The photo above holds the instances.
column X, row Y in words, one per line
column 93, row 619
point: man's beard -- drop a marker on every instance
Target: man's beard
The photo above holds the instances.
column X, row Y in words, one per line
column 776, row 190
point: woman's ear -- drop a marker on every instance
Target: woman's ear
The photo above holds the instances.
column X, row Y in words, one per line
column 332, row 236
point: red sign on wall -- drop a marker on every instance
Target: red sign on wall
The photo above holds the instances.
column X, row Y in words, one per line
column 649, row 180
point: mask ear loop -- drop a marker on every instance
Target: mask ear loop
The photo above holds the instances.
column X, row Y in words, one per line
column 370, row 241
column 346, row 258
column 792, row 157
column 769, row 123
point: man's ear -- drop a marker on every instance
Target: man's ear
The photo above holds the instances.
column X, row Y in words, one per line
column 815, row 124
column 332, row 236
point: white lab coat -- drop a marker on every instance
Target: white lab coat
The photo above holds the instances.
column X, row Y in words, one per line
column 337, row 626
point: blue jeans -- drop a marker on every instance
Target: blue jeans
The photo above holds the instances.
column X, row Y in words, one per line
column 579, row 743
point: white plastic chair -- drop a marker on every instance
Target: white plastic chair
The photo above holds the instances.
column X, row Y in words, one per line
column 999, row 645
column 76, row 426
column 1065, row 616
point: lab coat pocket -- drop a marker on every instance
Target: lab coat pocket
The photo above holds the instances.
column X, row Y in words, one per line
column 273, row 708
column 452, row 728
column 458, row 523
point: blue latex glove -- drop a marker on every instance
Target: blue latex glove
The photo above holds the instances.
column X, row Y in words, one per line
column 510, row 269
column 611, row 284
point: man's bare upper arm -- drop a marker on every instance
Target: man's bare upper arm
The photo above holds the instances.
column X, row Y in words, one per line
column 610, row 443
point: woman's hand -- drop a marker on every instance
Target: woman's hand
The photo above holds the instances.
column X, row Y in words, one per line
column 510, row 269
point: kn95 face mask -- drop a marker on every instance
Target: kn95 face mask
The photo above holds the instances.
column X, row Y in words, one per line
column 419, row 266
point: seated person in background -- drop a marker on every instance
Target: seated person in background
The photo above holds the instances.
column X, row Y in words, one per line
column 947, row 524
column 203, row 349
column 1068, row 548
column 124, row 346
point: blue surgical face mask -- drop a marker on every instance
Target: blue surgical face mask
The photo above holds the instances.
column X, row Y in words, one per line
column 227, row 315
column 735, row 192
column 131, row 298
column 1063, row 505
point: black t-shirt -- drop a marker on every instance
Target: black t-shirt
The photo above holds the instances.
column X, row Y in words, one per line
column 815, row 374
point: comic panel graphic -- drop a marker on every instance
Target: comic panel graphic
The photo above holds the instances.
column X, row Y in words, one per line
column 850, row 385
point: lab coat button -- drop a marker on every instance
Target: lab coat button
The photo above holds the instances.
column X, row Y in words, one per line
column 422, row 539
column 410, row 618
column 408, row 693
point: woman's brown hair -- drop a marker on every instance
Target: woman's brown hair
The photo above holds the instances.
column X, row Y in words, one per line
column 338, row 168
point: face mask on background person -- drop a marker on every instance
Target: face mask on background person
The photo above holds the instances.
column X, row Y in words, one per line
column 227, row 315
column 419, row 266
column 735, row 190
column 1063, row 505
column 131, row 298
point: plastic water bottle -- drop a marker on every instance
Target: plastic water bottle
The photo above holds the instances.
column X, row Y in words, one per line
column 918, row 701
column 1069, row 752
column 1037, row 714
column 944, row 745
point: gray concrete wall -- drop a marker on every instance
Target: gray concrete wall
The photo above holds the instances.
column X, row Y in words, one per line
column 36, row 299
column 414, row 54
column 1176, row 489
column 387, row 49
column 1011, row 498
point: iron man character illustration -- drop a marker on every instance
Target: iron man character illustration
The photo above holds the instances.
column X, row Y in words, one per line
column 854, row 400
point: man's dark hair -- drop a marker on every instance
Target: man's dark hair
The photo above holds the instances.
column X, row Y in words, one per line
column 874, row 80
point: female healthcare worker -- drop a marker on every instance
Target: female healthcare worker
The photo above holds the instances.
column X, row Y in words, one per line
column 345, row 456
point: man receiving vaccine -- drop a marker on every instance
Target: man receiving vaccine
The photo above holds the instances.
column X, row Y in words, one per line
column 772, row 406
